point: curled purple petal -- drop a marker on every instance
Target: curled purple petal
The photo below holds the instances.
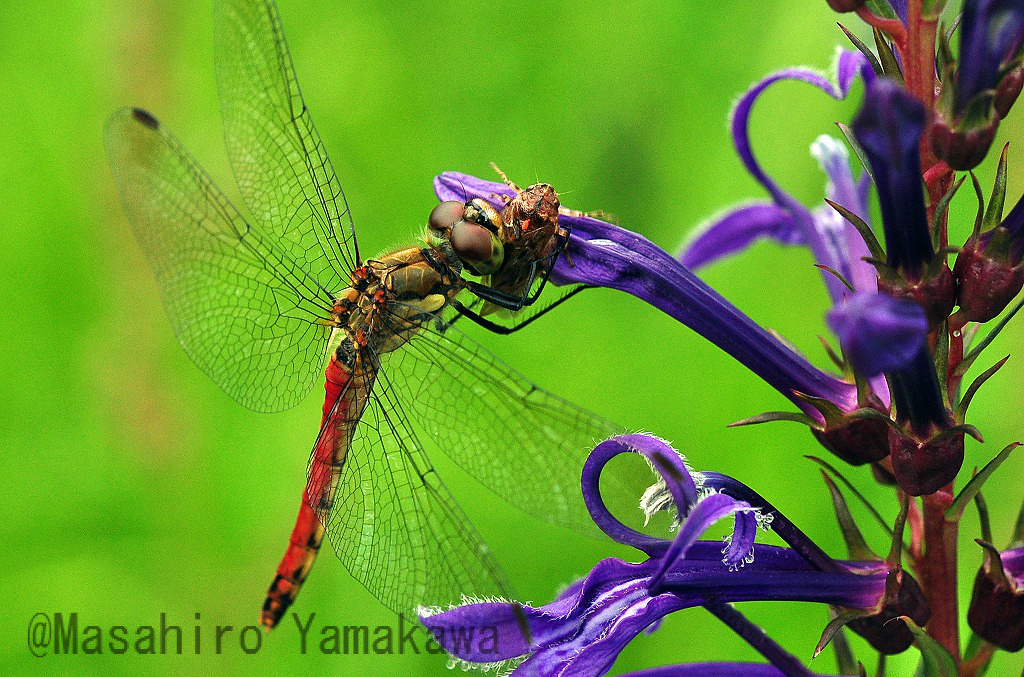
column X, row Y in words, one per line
column 879, row 333
column 700, row 518
column 849, row 65
column 666, row 461
column 736, row 230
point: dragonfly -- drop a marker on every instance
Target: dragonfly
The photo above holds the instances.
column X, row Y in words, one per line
column 270, row 305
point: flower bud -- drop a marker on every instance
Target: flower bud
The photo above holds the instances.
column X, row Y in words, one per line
column 988, row 278
column 962, row 146
column 1008, row 91
column 997, row 605
column 903, row 597
column 924, row 464
column 856, row 440
column 843, row 6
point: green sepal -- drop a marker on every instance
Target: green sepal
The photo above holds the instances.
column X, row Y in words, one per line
column 970, row 357
column 857, row 150
column 856, row 546
column 865, row 50
column 881, row 8
column 835, row 625
column 980, row 216
column 994, row 213
column 941, row 207
column 832, row 355
column 945, row 57
column 994, row 569
column 1017, row 539
column 960, row 429
column 895, row 556
column 960, row 415
column 955, row 511
column 890, row 65
column 940, row 358
column 937, row 661
column 769, row 416
column 982, row 507
column 863, row 228
column 845, row 660
column 849, row 485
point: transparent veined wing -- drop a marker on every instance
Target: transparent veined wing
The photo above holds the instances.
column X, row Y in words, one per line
column 394, row 524
column 279, row 161
column 242, row 307
column 524, row 443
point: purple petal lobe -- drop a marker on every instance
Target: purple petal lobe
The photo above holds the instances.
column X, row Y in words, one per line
column 736, row 230
column 879, row 333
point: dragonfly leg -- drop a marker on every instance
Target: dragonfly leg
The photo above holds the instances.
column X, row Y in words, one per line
column 492, row 326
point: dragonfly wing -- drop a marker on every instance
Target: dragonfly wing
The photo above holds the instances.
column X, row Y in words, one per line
column 395, row 525
column 242, row 309
column 279, row 160
column 520, row 441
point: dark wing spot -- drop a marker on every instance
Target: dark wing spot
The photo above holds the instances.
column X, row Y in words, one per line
column 145, row 117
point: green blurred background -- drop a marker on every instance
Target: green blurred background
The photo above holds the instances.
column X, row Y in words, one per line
column 133, row 486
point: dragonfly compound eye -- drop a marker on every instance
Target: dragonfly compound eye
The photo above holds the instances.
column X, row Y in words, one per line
column 479, row 211
column 478, row 248
column 445, row 214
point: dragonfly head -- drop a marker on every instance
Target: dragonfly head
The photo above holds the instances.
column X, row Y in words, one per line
column 473, row 230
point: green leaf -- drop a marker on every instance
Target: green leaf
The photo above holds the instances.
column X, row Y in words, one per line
column 961, row 410
column 986, row 525
column 1017, row 539
column 937, row 661
column 956, row 509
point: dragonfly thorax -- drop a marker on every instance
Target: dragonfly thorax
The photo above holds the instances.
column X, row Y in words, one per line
column 390, row 297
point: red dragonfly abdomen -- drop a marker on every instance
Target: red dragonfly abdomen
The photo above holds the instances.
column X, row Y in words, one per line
column 345, row 398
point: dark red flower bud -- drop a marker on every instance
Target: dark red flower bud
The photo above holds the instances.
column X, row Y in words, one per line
column 904, row 597
column 997, row 608
column 856, row 440
column 1007, row 91
column 843, row 6
column 923, row 466
column 988, row 279
column 962, row 147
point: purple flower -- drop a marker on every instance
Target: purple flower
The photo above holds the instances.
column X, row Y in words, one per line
column 833, row 241
column 991, row 35
column 584, row 629
column 879, row 333
column 889, row 128
column 602, row 254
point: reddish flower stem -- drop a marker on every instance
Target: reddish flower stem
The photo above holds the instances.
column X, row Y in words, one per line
column 940, row 572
